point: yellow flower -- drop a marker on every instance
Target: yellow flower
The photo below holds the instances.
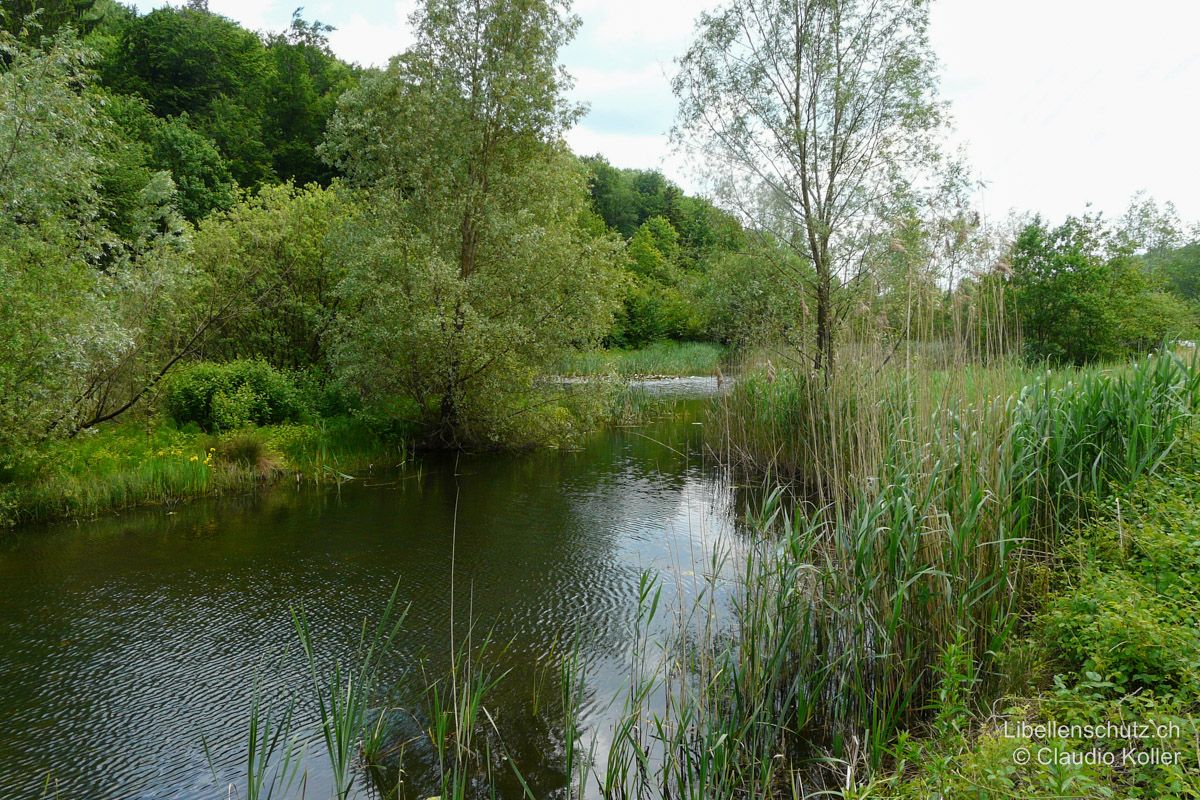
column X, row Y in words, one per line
column 194, row 458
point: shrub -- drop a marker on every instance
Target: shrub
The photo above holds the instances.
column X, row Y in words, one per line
column 324, row 397
column 232, row 395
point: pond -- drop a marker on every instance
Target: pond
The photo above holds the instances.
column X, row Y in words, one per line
column 130, row 646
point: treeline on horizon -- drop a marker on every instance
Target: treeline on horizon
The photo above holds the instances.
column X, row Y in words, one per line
column 417, row 242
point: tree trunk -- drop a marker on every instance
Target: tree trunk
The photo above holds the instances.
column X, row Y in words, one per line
column 823, row 358
column 448, row 419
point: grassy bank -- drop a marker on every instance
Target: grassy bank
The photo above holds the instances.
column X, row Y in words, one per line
column 1114, row 643
column 152, row 462
column 661, row 359
column 931, row 513
column 154, row 459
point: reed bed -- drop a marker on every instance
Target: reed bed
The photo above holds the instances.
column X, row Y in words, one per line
column 885, row 586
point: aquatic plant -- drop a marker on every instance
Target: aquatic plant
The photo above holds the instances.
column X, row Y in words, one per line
column 891, row 582
column 345, row 690
column 274, row 752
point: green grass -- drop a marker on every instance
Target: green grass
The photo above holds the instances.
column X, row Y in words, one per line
column 1115, row 641
column 151, row 462
column 661, row 359
column 932, row 507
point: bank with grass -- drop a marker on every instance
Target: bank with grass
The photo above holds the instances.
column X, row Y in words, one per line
column 1100, row 693
column 660, row 359
column 885, row 604
column 213, row 428
column 217, row 427
column 151, row 461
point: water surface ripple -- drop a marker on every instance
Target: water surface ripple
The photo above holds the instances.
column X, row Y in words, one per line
column 129, row 643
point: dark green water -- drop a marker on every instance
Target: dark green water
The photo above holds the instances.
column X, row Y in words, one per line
column 128, row 643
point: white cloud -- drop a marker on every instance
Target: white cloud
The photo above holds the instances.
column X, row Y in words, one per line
column 635, row 101
column 641, row 151
column 629, row 24
column 372, row 40
column 1069, row 102
column 257, row 15
column 595, row 82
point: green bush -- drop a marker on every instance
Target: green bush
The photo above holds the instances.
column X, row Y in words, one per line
column 1131, row 615
column 324, row 397
column 220, row 397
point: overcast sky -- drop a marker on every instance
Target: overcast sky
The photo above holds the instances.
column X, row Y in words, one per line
column 1058, row 102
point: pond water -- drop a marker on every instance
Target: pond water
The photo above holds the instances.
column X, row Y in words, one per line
column 130, row 645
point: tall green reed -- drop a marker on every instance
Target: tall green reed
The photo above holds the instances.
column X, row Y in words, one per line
column 349, row 726
column 923, row 499
column 274, row 752
column 467, row 741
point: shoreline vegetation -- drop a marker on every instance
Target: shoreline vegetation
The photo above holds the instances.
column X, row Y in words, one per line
column 1103, row 690
column 155, row 461
column 666, row 359
column 150, row 462
column 945, row 563
column 1018, row 571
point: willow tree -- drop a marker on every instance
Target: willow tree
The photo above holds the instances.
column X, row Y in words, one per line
column 810, row 114
column 473, row 267
column 97, row 299
column 55, row 325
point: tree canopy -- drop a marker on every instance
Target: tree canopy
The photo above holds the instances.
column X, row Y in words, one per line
column 1081, row 296
column 812, row 114
column 477, row 267
column 418, row 242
